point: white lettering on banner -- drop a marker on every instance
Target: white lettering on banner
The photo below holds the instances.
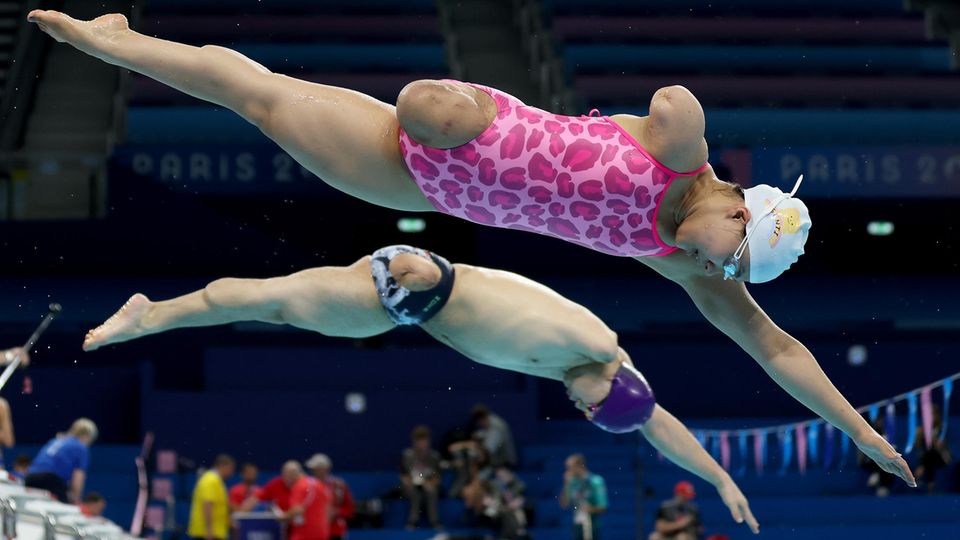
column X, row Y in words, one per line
column 282, row 163
column 890, row 169
column 240, row 167
column 819, row 168
column 142, row 164
column 846, row 168
column 282, row 169
column 224, row 161
column 951, row 169
column 790, row 166
column 199, row 167
column 246, row 167
column 927, row 167
column 171, row 167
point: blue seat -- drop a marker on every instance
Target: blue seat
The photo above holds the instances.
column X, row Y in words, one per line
column 845, row 532
column 114, row 458
column 848, row 510
column 153, row 125
column 709, row 7
column 113, row 486
column 301, row 5
column 393, row 57
column 762, row 127
column 120, row 512
column 748, row 58
column 365, row 485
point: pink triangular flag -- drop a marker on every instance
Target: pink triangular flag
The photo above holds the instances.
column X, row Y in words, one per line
column 802, row 448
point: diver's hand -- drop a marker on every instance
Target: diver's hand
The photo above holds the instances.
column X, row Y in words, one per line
column 737, row 503
column 875, row 447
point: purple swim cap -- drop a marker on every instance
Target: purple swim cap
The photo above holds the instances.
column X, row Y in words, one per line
column 628, row 405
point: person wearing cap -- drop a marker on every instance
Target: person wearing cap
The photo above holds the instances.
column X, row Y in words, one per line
column 342, row 505
column 678, row 518
column 586, row 494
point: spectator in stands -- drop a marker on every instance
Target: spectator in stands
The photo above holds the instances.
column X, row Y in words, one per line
column 61, row 465
column 678, row 518
column 420, row 477
column 470, row 462
column 935, row 457
column 498, row 503
column 210, row 508
column 93, row 504
column 343, row 507
column 245, row 495
column 20, row 467
column 496, row 436
column 310, row 505
column 277, row 490
column 586, row 494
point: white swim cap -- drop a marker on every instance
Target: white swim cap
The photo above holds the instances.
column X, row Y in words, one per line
column 776, row 232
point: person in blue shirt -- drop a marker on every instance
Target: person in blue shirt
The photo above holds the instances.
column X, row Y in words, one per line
column 61, row 465
column 586, row 493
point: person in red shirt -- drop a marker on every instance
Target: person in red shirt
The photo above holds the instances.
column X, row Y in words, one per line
column 343, row 506
column 277, row 490
column 309, row 513
column 245, row 495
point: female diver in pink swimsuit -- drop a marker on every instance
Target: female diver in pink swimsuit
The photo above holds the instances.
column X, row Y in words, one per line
column 624, row 185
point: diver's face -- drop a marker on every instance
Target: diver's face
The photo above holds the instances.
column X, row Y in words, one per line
column 712, row 234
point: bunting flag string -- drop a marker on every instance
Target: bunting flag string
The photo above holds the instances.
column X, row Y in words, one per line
column 926, row 414
column 807, row 437
column 742, row 448
column 828, row 431
column 844, row 449
column 759, row 450
column 911, row 422
column 725, row 450
column 787, row 449
column 890, row 425
column 801, row 434
column 813, row 439
column 947, row 390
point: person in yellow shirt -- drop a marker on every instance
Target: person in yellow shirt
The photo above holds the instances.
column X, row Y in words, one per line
column 210, row 510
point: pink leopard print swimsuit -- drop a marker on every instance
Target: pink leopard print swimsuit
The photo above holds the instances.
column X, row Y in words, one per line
column 580, row 179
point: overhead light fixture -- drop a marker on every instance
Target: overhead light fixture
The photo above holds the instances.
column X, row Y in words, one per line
column 411, row 225
column 880, row 228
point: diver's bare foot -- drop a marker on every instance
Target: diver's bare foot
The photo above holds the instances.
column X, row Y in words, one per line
column 124, row 325
column 92, row 37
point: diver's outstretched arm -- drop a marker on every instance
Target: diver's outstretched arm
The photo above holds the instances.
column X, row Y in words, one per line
column 729, row 306
column 672, row 439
